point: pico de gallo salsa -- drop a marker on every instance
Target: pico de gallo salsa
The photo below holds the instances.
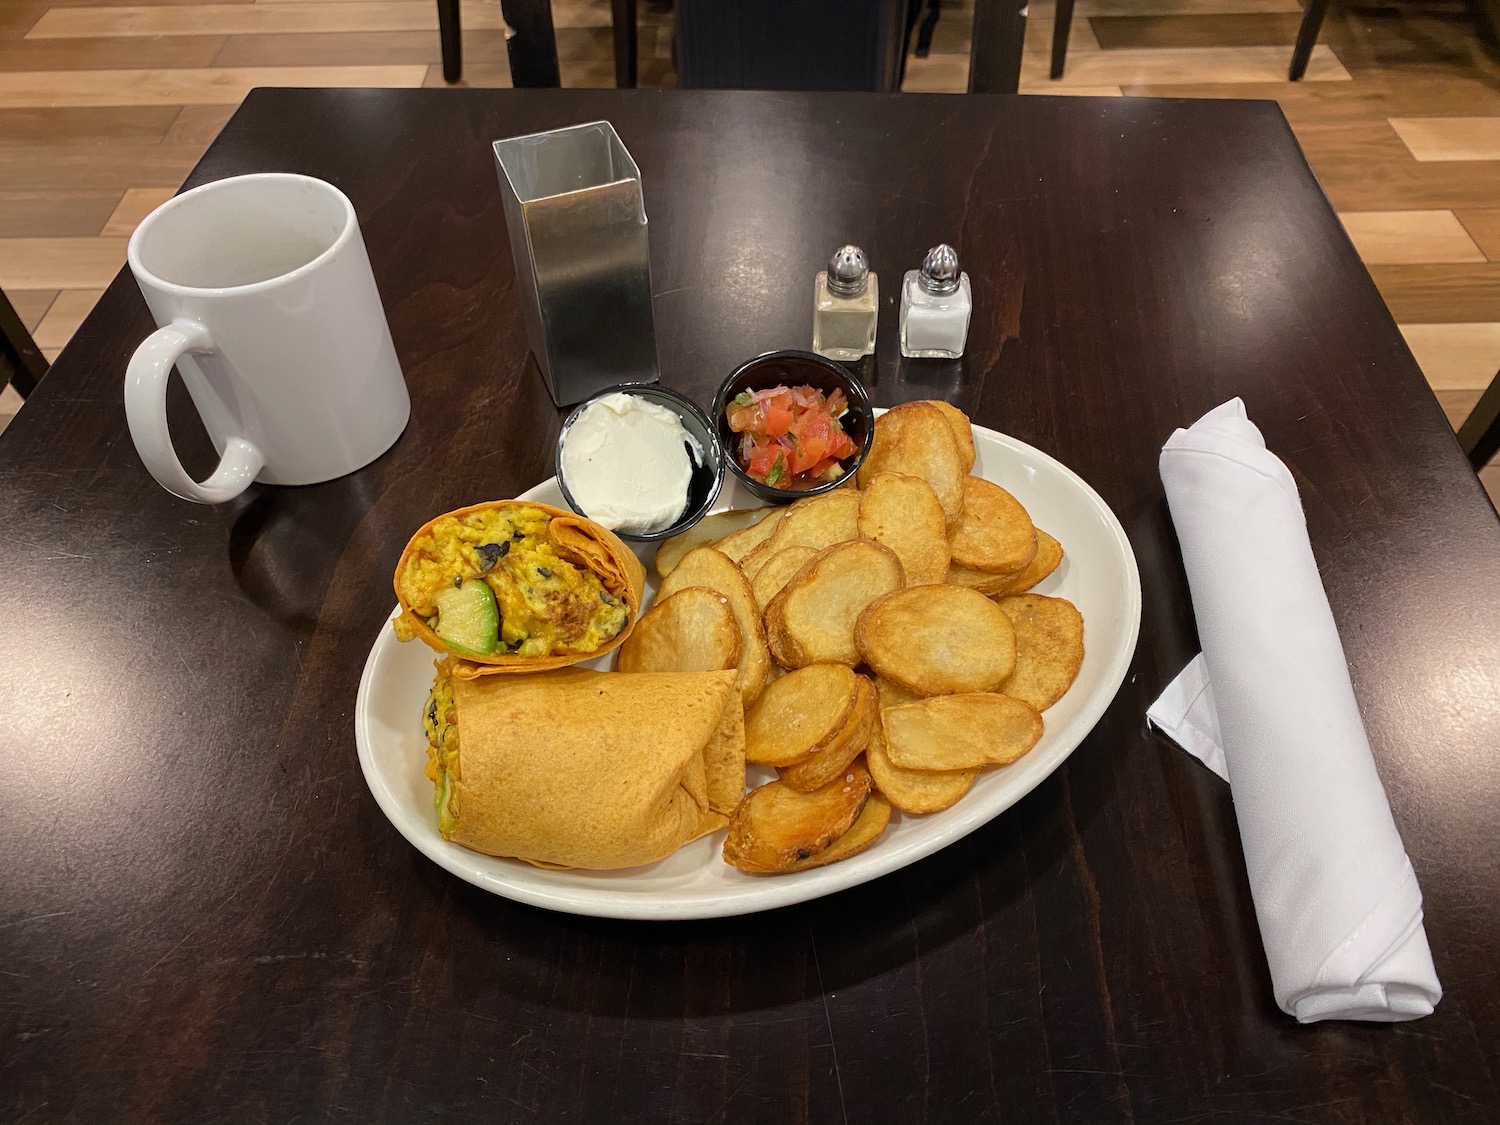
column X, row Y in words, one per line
column 791, row 437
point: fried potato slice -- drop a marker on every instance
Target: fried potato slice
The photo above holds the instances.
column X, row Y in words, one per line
column 704, row 566
column 738, row 544
column 963, row 432
column 830, row 761
column 960, row 732
column 902, row 512
column 868, row 827
column 812, row 620
column 777, row 571
column 893, row 695
column 1049, row 554
column 709, row 529
column 817, row 522
column 915, row 438
column 994, row 533
column 937, row 640
column 776, row 826
column 978, row 580
column 1049, row 647
column 801, row 714
column 915, row 791
column 693, row 630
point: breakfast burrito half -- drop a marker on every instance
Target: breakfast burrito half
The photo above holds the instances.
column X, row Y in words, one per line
column 574, row 768
column 517, row 586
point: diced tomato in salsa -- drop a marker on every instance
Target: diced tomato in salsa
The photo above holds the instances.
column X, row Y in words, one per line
column 791, row 437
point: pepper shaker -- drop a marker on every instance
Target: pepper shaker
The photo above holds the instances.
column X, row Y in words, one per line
column 846, row 301
column 935, row 305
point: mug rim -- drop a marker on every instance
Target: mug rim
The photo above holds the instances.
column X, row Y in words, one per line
column 132, row 248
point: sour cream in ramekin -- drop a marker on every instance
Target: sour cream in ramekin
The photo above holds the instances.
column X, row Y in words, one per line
column 628, row 463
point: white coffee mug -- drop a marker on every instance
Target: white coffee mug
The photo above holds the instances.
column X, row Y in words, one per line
column 266, row 302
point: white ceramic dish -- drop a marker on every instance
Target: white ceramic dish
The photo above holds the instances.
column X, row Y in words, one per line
column 1098, row 574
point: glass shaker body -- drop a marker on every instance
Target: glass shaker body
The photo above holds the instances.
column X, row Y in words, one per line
column 844, row 327
column 934, row 326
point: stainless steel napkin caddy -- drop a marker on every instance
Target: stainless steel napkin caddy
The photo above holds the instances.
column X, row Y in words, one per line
column 583, row 261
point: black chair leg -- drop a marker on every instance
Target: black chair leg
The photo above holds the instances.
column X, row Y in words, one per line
column 1480, row 433
column 999, row 33
column 913, row 11
column 1307, row 36
column 21, row 361
column 622, row 18
column 1062, row 24
column 451, row 35
column 533, row 47
column 929, row 25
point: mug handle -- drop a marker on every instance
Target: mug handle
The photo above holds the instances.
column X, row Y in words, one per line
column 146, row 414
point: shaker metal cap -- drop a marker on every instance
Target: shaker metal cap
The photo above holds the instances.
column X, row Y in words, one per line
column 940, row 270
column 848, row 271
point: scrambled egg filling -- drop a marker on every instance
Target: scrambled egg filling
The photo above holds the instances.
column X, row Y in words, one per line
column 442, row 749
column 547, row 605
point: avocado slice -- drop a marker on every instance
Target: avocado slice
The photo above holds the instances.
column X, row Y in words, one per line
column 468, row 619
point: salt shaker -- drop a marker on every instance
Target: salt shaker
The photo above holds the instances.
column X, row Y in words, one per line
column 846, row 300
column 935, row 306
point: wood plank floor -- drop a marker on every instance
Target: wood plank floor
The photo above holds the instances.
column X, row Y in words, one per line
column 105, row 106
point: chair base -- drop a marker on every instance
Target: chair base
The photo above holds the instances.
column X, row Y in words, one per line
column 451, row 35
column 1480, row 434
column 532, row 50
column 1307, row 37
column 1062, row 24
column 22, row 363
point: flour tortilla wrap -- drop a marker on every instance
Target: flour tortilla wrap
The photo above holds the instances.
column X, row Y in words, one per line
column 581, row 542
column 598, row 770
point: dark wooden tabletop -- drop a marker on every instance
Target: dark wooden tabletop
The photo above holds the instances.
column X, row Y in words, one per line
column 204, row 917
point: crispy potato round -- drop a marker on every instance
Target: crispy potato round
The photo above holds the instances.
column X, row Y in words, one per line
column 800, row 714
column 817, row 522
column 812, row 620
column 902, row 512
column 821, row 521
column 1049, row 554
column 738, row 544
column 915, row 438
column 776, row 826
column 994, row 533
column 776, row 571
column 937, row 640
column 831, row 760
column 710, row 529
column 915, row 791
column 704, row 566
column 868, row 827
column 979, row 580
column 960, row 732
column 1049, row 647
column 963, row 432
column 693, row 630
column 893, row 695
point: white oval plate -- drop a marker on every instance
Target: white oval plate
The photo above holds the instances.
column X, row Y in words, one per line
column 1098, row 574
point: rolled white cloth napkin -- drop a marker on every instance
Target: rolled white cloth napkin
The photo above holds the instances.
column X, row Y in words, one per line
column 1185, row 713
column 1339, row 908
